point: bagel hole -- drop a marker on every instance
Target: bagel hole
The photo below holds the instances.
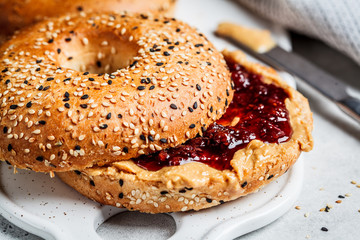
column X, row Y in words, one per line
column 97, row 52
column 136, row 225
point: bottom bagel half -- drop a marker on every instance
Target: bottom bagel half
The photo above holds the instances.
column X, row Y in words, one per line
column 195, row 185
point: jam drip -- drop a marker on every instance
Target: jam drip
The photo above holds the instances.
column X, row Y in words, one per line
column 257, row 112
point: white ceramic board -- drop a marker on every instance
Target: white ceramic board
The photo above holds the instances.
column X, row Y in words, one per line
column 48, row 208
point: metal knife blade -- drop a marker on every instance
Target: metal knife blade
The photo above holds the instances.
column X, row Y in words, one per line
column 290, row 62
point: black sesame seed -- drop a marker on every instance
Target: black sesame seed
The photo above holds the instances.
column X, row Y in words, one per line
column 67, row 105
column 143, row 16
column 66, row 79
column 199, row 45
column 177, row 43
column 270, row 177
column 85, row 96
column 92, row 183
column 38, row 61
column 198, row 87
column 125, row 150
column 244, row 184
column 221, row 201
column 178, row 30
column 42, row 122
column 195, row 105
column 29, row 104
column 151, row 138
column 119, row 116
column 121, row 182
column 10, row 147
column 324, row 229
column 41, row 87
column 190, row 109
column 70, row 58
column 164, row 192
column 166, row 54
column 182, row 191
column 192, row 125
column 226, row 102
column 327, row 209
column 189, row 189
column 152, row 87
column 98, row 64
column 140, row 88
column 14, row 106
column 49, row 79
column 159, row 64
column 163, row 140
column 58, row 50
column 66, row 95
column 77, row 147
column 66, row 99
column 51, row 41
column 5, row 129
column 46, row 88
column 142, row 137
column 103, row 126
column 171, row 47
column 91, row 79
column 86, row 73
column 133, row 64
column 40, row 158
column 173, row 106
column 26, row 82
column 80, row 8
column 83, row 105
column 209, row 200
column 121, row 195
column 7, row 81
column 67, row 39
column 109, row 82
column 77, row 172
column 341, row 196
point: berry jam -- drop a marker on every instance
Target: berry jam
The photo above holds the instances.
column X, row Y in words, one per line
column 261, row 113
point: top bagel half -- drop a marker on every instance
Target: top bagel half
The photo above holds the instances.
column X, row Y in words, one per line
column 98, row 88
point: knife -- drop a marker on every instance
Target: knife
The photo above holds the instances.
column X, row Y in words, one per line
column 259, row 44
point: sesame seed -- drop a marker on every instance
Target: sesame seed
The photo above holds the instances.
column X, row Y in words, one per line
column 192, row 125
column 173, row 106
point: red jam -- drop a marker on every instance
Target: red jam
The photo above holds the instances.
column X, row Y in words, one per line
column 263, row 116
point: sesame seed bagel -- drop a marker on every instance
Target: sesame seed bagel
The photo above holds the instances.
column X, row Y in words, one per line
column 163, row 83
column 16, row 14
column 195, row 186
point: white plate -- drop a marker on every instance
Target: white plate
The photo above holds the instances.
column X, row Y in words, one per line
column 48, row 208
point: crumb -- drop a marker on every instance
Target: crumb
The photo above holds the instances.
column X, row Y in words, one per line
column 348, row 195
column 306, row 214
column 353, row 182
column 338, row 201
column 297, row 207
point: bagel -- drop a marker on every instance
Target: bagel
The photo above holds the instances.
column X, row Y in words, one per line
column 79, row 91
column 138, row 185
column 16, row 14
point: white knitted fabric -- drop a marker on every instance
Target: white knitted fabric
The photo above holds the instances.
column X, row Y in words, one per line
column 336, row 22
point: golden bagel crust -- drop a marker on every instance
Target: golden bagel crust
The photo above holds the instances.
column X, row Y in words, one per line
column 194, row 186
column 16, row 14
column 166, row 81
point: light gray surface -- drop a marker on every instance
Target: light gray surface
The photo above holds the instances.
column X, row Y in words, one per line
column 334, row 162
